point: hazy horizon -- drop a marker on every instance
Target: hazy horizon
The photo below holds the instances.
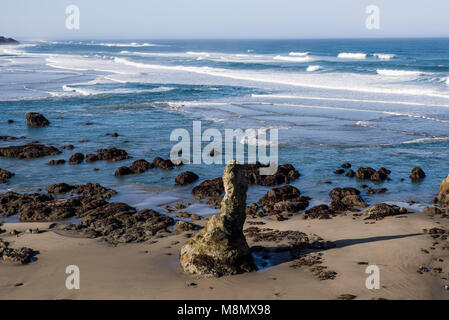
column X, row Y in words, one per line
column 203, row 19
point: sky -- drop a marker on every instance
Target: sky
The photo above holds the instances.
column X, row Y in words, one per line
column 216, row 19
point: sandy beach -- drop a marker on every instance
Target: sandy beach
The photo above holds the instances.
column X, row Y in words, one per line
column 151, row 270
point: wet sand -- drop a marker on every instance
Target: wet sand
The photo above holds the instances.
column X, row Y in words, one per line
column 152, row 271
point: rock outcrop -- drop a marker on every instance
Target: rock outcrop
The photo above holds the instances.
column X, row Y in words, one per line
column 382, row 210
column 5, row 175
column 286, row 199
column 220, row 248
column 346, row 199
column 29, row 151
column 35, row 119
column 443, row 195
column 417, row 174
column 186, row 178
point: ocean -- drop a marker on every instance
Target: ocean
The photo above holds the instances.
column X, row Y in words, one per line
column 377, row 103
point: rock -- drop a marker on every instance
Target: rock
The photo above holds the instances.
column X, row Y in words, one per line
column 67, row 147
column 339, row 171
column 17, row 256
column 29, row 151
column 417, row 174
column 346, row 165
column 54, row 210
column 382, row 210
column 350, row 173
column 182, row 226
column 119, row 223
column 114, row 134
column 443, row 195
column 11, row 202
column 91, row 157
column 10, row 121
column 55, row 162
column 123, row 171
column 283, row 199
column 209, row 188
column 35, row 119
column 140, row 166
column 186, row 178
column 371, row 174
column 220, row 248
column 59, row 188
column 163, row 164
column 432, row 211
column 77, row 158
column 319, row 212
column 93, row 190
column 8, row 41
column 195, row 217
column 112, row 154
column 285, row 173
column 5, row 175
column 373, row 191
column 348, row 198
column 346, row 296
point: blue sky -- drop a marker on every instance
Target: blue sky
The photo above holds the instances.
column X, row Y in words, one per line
column 157, row 19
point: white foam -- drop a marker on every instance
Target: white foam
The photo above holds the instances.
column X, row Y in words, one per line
column 384, row 56
column 132, row 44
column 313, row 68
column 398, row 73
column 293, row 59
column 351, row 55
column 298, row 54
column 201, row 54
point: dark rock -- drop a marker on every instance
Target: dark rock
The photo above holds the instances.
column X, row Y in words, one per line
column 119, row 223
column 140, row 166
column 432, row 211
column 209, row 188
column 77, row 158
column 54, row 210
column 186, row 178
column 339, row 171
column 112, row 154
column 349, row 197
column 28, row 151
column 364, row 173
column 35, row 119
column 123, row 171
column 373, row 191
column 417, row 174
column 5, row 175
column 182, row 226
column 11, row 202
column 59, row 188
column 114, row 134
column 285, row 173
column 10, row 121
column 17, row 256
column 67, row 147
column 55, row 162
column 283, row 199
column 350, row 173
column 346, row 165
column 163, row 164
column 91, row 157
column 319, row 212
column 382, row 210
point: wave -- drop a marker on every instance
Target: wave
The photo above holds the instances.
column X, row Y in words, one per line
column 313, row 68
column 131, row 44
column 293, row 59
column 90, row 92
column 195, row 53
column 350, row 55
column 298, row 54
column 427, row 140
column 398, row 73
column 384, row 56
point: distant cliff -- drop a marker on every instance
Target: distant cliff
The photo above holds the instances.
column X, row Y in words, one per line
column 4, row 40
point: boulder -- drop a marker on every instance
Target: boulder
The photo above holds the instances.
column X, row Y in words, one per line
column 5, row 175
column 35, row 119
column 220, row 248
column 285, row 199
column 77, row 158
column 319, row 212
column 417, row 174
column 346, row 198
column 55, row 162
column 140, row 166
column 432, row 211
column 186, row 178
column 182, row 226
column 285, row 173
column 208, row 189
column 123, row 171
column 112, row 154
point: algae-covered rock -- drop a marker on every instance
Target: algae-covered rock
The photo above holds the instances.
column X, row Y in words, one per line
column 220, row 248
column 443, row 196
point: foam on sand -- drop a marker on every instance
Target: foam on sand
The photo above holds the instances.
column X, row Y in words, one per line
column 350, row 55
